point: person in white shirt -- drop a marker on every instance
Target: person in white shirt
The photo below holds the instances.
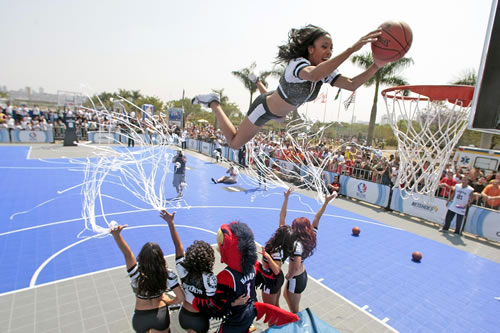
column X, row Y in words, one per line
column 460, row 200
column 232, row 177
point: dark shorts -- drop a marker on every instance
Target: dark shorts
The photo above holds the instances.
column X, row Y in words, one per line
column 259, row 113
column 193, row 320
column 178, row 179
column 241, row 324
column 297, row 284
column 144, row 320
column 270, row 286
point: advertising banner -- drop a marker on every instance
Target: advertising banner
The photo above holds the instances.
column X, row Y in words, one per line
column 32, row 136
column 175, row 117
column 205, row 148
column 4, row 135
column 483, row 222
column 367, row 191
column 192, row 144
column 148, row 110
column 102, row 137
column 433, row 210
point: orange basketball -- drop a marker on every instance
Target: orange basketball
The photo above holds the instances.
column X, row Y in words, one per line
column 394, row 42
column 416, row 256
column 356, row 231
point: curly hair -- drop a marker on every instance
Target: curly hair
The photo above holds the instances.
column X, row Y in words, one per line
column 298, row 42
column 199, row 258
column 304, row 232
column 153, row 270
column 281, row 240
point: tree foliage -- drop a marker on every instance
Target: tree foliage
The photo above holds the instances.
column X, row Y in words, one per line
column 386, row 75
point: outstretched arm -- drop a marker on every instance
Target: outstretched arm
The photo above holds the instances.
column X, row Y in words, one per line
column 285, row 206
column 357, row 81
column 262, row 88
column 316, row 73
column 127, row 253
column 169, row 218
column 320, row 212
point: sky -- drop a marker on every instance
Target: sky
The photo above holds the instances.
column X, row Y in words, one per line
column 164, row 47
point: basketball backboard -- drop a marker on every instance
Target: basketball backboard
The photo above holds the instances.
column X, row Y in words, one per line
column 485, row 110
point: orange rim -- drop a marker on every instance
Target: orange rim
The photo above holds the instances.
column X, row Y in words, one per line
column 450, row 93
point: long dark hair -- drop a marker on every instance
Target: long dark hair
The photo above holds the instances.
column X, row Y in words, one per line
column 303, row 231
column 199, row 259
column 298, row 42
column 153, row 270
column 281, row 240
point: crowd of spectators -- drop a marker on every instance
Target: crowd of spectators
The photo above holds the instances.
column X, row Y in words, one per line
column 341, row 155
column 354, row 160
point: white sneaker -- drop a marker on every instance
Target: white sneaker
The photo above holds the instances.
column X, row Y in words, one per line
column 252, row 77
column 206, row 100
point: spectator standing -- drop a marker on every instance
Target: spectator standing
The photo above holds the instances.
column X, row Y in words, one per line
column 446, row 184
column 460, row 201
column 491, row 194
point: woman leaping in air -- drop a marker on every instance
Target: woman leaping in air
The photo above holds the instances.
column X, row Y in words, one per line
column 307, row 54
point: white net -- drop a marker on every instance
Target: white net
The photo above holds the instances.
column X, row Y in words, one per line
column 293, row 160
column 427, row 122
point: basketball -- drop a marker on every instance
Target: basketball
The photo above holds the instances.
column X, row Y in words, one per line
column 416, row 256
column 356, row 231
column 394, row 42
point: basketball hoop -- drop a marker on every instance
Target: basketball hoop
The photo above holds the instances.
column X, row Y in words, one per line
column 427, row 121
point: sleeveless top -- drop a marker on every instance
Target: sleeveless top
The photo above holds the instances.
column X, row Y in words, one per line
column 134, row 274
column 202, row 288
column 296, row 91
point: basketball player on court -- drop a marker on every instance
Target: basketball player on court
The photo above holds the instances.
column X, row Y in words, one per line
column 307, row 54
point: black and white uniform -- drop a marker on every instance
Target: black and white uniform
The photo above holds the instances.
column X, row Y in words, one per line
column 159, row 318
column 292, row 89
column 195, row 287
column 298, row 283
column 269, row 282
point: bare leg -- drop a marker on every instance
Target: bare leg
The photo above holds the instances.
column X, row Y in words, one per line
column 293, row 301
column 235, row 138
column 262, row 88
column 272, row 299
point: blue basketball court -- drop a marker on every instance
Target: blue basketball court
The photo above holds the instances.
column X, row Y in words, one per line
column 41, row 241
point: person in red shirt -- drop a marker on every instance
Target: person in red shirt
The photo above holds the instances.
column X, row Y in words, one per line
column 447, row 184
column 334, row 186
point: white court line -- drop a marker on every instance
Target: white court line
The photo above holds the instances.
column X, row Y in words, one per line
column 196, row 207
column 364, row 307
column 36, row 168
column 385, row 320
column 46, row 262
column 392, row 329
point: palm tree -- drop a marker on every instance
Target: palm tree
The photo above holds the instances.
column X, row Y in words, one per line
column 467, row 78
column 243, row 73
column 384, row 76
